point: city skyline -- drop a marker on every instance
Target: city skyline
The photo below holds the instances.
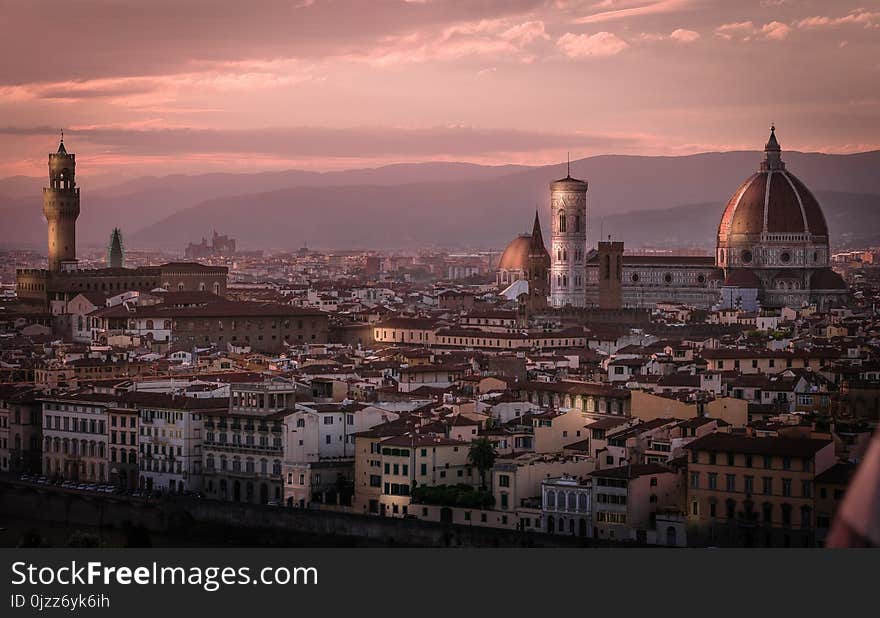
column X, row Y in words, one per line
column 323, row 85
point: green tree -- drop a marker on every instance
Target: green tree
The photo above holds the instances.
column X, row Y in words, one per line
column 482, row 456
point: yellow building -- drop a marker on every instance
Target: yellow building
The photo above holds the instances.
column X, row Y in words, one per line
column 754, row 491
column 412, row 460
column 648, row 406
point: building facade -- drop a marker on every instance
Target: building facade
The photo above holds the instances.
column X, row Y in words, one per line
column 243, row 444
column 745, row 491
column 75, row 438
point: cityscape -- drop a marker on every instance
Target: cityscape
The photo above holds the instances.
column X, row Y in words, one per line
column 636, row 348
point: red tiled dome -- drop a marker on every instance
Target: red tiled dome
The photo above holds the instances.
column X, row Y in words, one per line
column 786, row 206
column 742, row 278
column 516, row 255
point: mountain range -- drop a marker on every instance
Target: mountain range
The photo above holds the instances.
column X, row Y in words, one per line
column 640, row 199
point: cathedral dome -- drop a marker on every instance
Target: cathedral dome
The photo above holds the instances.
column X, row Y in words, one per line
column 773, row 220
column 771, row 201
column 516, row 255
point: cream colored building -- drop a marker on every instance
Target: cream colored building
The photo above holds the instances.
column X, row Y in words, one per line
column 75, row 438
column 516, row 481
column 648, row 406
column 412, row 459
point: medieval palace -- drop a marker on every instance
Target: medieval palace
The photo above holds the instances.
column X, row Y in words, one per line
column 53, row 287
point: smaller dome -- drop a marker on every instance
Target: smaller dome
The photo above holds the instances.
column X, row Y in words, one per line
column 516, row 255
column 742, row 278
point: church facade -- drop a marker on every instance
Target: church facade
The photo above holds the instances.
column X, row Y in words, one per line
column 49, row 289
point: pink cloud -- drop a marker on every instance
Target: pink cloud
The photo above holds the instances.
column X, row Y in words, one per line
column 502, row 38
column 775, row 30
column 684, row 36
column 747, row 31
column 624, row 9
column 868, row 19
column 741, row 29
column 590, row 45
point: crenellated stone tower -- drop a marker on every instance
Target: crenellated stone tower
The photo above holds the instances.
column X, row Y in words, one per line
column 61, row 208
column 568, row 215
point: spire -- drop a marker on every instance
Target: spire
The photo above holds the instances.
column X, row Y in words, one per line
column 61, row 149
column 115, row 251
column 568, row 165
column 772, row 143
column 536, row 247
column 772, row 153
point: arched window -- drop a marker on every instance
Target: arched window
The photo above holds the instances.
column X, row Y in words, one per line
column 551, row 499
column 562, row 221
column 572, row 502
column 577, row 223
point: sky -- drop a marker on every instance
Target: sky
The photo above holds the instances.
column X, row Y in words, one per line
column 177, row 86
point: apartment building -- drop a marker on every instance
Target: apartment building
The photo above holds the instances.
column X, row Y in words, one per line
column 754, row 491
column 368, row 462
column 243, row 444
column 413, row 459
column 123, row 446
column 171, row 435
column 75, row 437
column 626, row 500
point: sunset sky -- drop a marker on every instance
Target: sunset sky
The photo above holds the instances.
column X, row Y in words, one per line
column 167, row 86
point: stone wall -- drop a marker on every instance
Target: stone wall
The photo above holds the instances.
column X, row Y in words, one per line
column 176, row 516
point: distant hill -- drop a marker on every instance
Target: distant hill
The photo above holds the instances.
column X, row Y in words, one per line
column 853, row 219
column 413, row 205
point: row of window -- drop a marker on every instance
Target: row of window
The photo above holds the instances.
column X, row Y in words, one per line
column 748, row 484
column 805, row 464
column 74, row 447
column 571, row 501
column 249, row 465
column 70, row 469
column 767, row 512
